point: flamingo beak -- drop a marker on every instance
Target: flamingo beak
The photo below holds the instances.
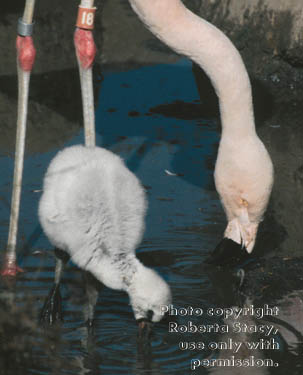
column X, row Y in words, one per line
column 228, row 253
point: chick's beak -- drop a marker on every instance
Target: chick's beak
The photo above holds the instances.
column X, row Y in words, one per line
column 144, row 328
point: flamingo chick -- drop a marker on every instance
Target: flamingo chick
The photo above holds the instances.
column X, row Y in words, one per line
column 93, row 208
column 243, row 172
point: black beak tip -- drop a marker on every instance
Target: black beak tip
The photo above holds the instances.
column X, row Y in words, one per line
column 228, row 253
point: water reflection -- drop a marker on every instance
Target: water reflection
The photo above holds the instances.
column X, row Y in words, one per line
column 238, row 356
column 267, row 330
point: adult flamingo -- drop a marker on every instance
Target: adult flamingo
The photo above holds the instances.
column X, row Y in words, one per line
column 244, row 171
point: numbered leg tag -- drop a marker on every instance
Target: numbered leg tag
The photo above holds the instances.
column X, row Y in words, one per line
column 86, row 17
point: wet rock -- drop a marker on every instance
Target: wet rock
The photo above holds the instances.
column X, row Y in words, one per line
column 269, row 280
column 268, row 35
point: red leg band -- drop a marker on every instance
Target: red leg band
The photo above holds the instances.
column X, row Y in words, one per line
column 86, row 18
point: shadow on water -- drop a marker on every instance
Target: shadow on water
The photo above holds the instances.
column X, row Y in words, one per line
column 151, row 117
column 55, row 104
column 146, row 110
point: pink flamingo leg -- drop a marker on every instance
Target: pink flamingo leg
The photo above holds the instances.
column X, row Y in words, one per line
column 25, row 59
column 86, row 51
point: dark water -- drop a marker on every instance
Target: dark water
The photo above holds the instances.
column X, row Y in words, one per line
column 150, row 117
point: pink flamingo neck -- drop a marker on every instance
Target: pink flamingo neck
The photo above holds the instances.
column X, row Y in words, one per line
column 206, row 45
